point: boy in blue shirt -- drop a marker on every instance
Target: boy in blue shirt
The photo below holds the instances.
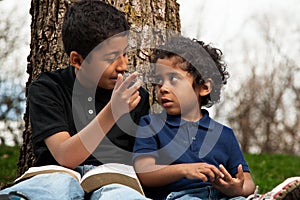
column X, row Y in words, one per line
column 182, row 153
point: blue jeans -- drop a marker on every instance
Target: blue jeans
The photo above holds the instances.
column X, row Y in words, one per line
column 205, row 193
column 62, row 186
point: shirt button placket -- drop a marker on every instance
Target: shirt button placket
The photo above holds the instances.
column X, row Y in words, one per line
column 90, row 111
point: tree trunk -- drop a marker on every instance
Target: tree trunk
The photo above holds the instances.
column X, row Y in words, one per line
column 47, row 52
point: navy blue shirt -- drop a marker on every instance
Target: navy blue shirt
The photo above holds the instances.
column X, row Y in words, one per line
column 172, row 140
column 57, row 102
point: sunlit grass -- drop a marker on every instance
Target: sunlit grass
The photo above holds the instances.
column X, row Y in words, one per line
column 268, row 170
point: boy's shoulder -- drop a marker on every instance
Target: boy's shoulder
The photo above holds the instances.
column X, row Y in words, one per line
column 56, row 77
column 53, row 83
column 218, row 125
column 214, row 125
column 54, row 74
column 211, row 121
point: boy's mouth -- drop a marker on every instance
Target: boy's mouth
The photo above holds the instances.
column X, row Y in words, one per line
column 114, row 78
column 166, row 102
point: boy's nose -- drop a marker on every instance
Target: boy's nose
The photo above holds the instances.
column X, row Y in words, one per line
column 122, row 63
column 163, row 88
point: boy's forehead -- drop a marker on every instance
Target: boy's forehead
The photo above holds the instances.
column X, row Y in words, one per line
column 112, row 45
column 169, row 64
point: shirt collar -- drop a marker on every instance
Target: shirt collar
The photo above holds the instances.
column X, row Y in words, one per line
column 69, row 77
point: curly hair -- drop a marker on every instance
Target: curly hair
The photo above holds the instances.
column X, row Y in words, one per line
column 201, row 60
column 87, row 23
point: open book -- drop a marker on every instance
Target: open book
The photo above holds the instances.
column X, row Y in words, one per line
column 95, row 178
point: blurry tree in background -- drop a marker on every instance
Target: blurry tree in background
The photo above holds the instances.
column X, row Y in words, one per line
column 264, row 110
column 12, row 92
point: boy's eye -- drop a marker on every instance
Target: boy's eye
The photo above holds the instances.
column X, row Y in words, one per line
column 110, row 60
column 114, row 58
column 173, row 77
column 157, row 80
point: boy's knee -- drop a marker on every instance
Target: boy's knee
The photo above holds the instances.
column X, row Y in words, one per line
column 58, row 185
column 61, row 185
column 117, row 191
column 62, row 181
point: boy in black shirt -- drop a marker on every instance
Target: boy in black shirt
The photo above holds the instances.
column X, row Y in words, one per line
column 86, row 114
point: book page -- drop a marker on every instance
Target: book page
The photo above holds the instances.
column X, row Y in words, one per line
column 111, row 173
column 32, row 171
column 112, row 168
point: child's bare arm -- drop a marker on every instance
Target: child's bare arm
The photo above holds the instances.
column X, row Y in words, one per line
column 71, row 151
column 153, row 175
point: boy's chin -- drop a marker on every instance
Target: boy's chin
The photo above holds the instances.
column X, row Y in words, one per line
column 107, row 86
column 172, row 112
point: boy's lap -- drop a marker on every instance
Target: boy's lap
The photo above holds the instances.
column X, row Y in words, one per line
column 57, row 185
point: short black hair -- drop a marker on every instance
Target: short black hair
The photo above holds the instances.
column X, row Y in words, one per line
column 201, row 60
column 87, row 23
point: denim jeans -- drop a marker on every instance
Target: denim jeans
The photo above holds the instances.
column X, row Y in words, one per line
column 205, row 193
column 62, row 186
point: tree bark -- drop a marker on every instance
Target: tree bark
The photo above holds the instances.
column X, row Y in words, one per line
column 47, row 52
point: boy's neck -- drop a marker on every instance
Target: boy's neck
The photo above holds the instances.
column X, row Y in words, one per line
column 192, row 117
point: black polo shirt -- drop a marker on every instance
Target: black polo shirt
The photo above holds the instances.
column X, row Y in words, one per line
column 50, row 108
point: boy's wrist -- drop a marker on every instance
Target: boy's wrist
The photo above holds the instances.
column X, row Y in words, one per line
column 182, row 170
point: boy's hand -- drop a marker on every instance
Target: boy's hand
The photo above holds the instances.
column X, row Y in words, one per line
column 125, row 97
column 201, row 171
column 228, row 185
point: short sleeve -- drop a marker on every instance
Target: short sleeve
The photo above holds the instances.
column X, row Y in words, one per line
column 236, row 156
column 145, row 142
column 46, row 109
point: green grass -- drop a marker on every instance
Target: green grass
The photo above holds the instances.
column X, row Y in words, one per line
column 8, row 163
column 267, row 170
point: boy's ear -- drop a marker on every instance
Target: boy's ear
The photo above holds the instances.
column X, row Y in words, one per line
column 76, row 59
column 206, row 88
